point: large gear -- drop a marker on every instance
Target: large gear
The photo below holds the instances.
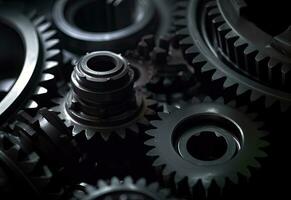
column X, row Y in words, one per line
column 102, row 98
column 121, row 189
column 206, row 143
column 23, row 171
column 47, row 135
column 35, row 67
column 169, row 78
column 262, row 54
column 191, row 30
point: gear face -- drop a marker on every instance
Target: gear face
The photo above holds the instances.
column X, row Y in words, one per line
column 261, row 52
column 208, row 64
column 125, row 189
column 29, row 76
column 48, row 136
column 206, row 143
column 102, row 98
column 23, row 170
column 169, row 77
column 122, row 24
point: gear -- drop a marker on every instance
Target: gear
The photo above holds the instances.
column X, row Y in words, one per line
column 170, row 78
column 102, row 98
column 117, row 189
column 122, row 24
column 209, row 65
column 49, row 137
column 23, row 170
column 262, row 55
column 29, row 77
column 206, row 143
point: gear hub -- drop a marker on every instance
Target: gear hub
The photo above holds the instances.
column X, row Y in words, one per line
column 102, row 95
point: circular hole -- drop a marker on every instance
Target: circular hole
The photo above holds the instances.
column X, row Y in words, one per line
column 12, row 56
column 260, row 13
column 101, row 63
column 113, row 15
column 207, row 146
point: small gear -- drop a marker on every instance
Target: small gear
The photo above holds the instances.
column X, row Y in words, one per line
column 29, row 77
column 122, row 189
column 212, row 69
column 169, row 77
column 102, row 98
column 24, row 171
column 49, row 137
column 263, row 54
column 206, row 143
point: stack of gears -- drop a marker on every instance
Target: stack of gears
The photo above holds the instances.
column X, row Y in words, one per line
column 143, row 99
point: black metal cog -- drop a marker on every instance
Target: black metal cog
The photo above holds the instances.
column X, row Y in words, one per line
column 243, row 39
column 47, row 135
column 102, row 98
column 36, row 57
column 24, row 171
column 204, row 143
column 121, row 189
column 169, row 77
column 210, row 66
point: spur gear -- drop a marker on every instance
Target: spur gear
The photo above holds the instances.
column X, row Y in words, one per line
column 28, row 65
column 169, row 77
column 191, row 25
column 242, row 37
column 206, row 143
column 102, row 98
column 49, row 137
column 24, row 171
column 121, row 189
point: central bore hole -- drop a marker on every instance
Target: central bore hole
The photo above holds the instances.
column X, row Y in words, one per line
column 206, row 146
column 101, row 63
column 103, row 15
column 12, row 56
column 272, row 17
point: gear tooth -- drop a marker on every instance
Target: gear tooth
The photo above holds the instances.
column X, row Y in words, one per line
column 40, row 91
column 246, row 172
column 152, row 153
column 52, row 53
column 151, row 132
column 269, row 102
column 115, row 181
column 186, row 41
column 255, row 164
column 231, row 38
column 261, row 154
column 228, row 83
column 47, row 77
column 234, row 178
column 150, row 142
column 156, row 123
column 13, row 152
column 263, row 143
column 121, row 132
column 52, row 43
column 286, row 74
column 144, row 121
column 232, row 104
column 76, row 130
column 158, row 162
column 214, row 12
column 151, row 102
column 180, row 22
column 167, row 171
column 241, row 89
column 253, row 116
column 255, row 96
column 49, row 34
column 217, row 75
column 195, row 100
column 39, row 20
column 207, row 67
column 89, row 133
column 178, row 179
column 105, row 135
column 134, row 128
column 207, row 99
column 149, row 112
column 141, row 183
column 44, row 27
column 220, row 100
column 220, row 181
column 31, row 104
column 50, row 65
column 68, row 124
column 154, row 187
column 102, row 184
column 128, row 180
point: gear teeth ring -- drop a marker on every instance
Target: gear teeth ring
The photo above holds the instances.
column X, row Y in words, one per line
column 209, row 147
